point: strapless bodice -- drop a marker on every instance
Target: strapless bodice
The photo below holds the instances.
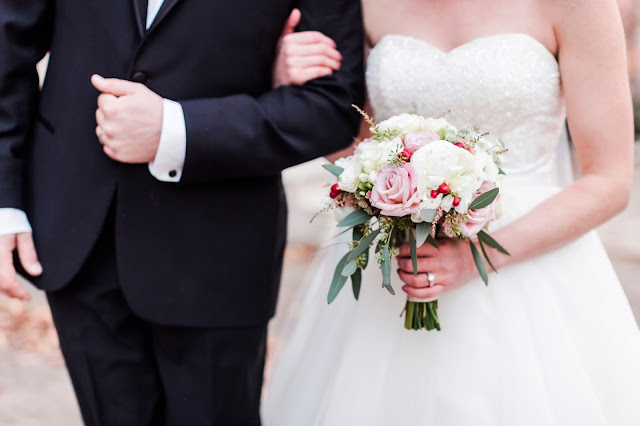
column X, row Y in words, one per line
column 507, row 85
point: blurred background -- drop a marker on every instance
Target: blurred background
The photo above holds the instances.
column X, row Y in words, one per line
column 34, row 386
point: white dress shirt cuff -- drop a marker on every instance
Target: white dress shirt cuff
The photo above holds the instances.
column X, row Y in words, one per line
column 169, row 161
column 13, row 221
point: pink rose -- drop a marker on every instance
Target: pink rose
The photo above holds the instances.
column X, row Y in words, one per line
column 477, row 219
column 396, row 191
column 415, row 141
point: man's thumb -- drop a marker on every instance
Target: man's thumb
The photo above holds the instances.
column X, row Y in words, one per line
column 292, row 22
column 113, row 86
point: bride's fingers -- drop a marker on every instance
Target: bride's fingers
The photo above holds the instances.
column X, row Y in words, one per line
column 303, row 75
column 313, row 61
column 309, row 37
column 425, row 293
column 425, row 264
column 297, row 50
column 426, row 250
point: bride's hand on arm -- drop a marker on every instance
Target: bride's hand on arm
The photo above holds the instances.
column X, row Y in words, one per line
column 303, row 56
column 592, row 60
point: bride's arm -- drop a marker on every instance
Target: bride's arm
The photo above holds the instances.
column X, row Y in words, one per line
column 304, row 56
column 592, row 62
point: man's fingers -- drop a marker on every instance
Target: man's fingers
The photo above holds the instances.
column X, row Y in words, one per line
column 27, row 254
column 114, row 86
column 292, row 22
column 8, row 284
column 106, row 101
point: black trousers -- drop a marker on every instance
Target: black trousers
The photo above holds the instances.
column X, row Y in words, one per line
column 129, row 372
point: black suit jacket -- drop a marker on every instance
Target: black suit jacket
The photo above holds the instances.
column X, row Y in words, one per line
column 206, row 251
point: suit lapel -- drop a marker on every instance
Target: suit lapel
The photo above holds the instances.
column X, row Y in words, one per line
column 140, row 9
column 166, row 7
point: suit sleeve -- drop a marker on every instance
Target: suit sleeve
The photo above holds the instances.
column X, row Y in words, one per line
column 241, row 136
column 25, row 32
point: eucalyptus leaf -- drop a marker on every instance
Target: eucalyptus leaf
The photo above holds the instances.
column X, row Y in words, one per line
column 501, row 172
column 350, row 268
column 357, row 217
column 428, row 214
column 363, row 246
column 333, row 169
column 477, row 257
column 358, row 233
column 422, row 232
column 365, row 262
column 385, row 266
column 488, row 240
column 486, row 256
column 338, row 280
column 343, row 232
column 485, row 199
column 433, row 242
column 356, row 283
column 414, row 254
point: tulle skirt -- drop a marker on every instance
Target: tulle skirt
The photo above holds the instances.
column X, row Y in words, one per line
column 551, row 341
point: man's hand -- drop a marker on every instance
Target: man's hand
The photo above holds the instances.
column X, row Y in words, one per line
column 28, row 258
column 129, row 118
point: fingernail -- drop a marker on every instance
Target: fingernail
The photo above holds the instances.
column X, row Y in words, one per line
column 36, row 269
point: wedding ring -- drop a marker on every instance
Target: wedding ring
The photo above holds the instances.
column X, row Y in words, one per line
column 432, row 278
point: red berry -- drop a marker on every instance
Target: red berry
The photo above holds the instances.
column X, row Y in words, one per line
column 334, row 194
column 335, row 188
column 459, row 145
column 406, row 154
column 434, row 193
column 456, row 201
column 444, row 188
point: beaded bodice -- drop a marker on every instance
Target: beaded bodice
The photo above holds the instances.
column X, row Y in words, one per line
column 507, row 85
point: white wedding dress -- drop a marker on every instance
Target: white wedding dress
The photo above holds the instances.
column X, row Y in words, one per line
column 551, row 340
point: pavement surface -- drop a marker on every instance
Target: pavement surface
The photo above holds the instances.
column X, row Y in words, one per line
column 34, row 386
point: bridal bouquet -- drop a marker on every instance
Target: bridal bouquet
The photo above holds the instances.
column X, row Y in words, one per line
column 414, row 180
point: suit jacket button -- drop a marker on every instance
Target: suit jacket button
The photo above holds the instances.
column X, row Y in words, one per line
column 173, row 174
column 140, row 77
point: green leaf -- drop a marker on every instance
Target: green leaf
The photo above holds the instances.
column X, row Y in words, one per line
column 422, row 232
column 365, row 263
column 485, row 199
column 357, row 217
column 363, row 246
column 477, row 257
column 428, row 214
column 333, row 169
column 338, row 280
column 433, row 242
column 414, row 255
column 488, row 240
column 358, row 233
column 350, row 268
column 386, row 269
column 501, row 172
column 356, row 283
column 484, row 253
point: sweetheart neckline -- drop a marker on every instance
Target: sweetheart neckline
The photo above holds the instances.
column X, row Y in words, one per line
column 468, row 43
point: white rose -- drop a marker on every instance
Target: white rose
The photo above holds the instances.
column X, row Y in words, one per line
column 441, row 161
column 487, row 166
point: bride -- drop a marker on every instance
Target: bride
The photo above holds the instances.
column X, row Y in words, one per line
column 552, row 340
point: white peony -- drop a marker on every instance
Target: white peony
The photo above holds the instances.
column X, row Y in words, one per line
column 487, row 166
column 348, row 180
column 442, row 162
column 375, row 155
column 435, row 125
column 405, row 123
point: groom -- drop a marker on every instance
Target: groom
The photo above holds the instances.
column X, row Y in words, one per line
column 145, row 188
